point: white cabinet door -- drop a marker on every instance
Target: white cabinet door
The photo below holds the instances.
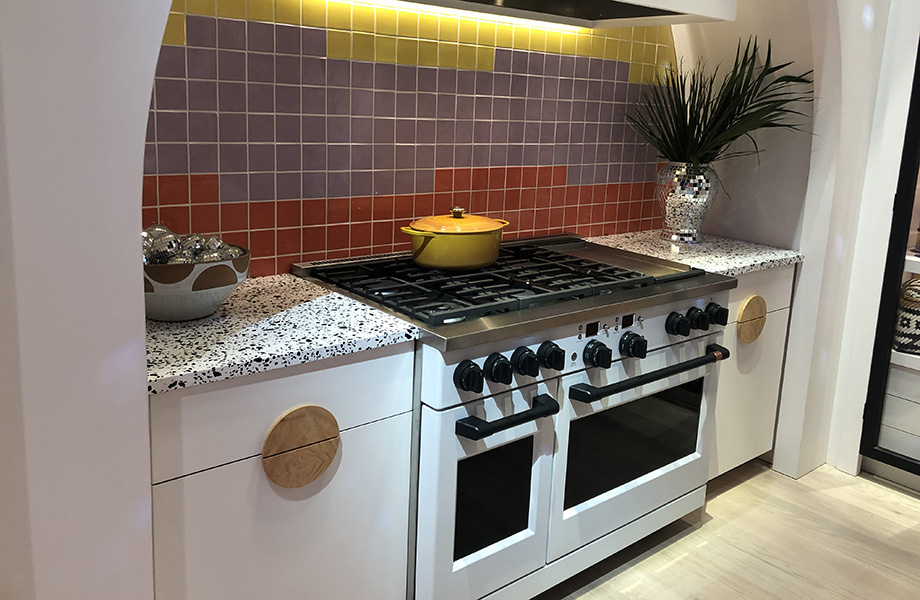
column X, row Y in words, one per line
column 229, row 534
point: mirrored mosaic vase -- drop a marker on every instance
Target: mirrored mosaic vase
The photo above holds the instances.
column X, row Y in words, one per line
column 685, row 195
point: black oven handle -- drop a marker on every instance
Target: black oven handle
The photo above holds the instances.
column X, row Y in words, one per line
column 583, row 392
column 474, row 428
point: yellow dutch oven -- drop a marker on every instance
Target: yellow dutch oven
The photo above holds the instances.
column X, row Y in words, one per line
column 455, row 241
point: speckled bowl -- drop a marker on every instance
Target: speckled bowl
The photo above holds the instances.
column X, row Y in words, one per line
column 186, row 292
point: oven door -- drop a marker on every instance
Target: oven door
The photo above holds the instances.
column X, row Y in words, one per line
column 631, row 452
column 483, row 505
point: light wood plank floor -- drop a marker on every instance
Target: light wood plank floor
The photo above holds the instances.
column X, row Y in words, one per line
column 763, row 535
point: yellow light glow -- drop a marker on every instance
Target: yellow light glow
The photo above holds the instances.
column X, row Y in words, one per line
column 467, row 14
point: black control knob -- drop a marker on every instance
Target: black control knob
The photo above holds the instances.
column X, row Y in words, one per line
column 633, row 345
column 698, row 319
column 717, row 314
column 524, row 362
column 597, row 354
column 468, row 377
column 497, row 368
column 551, row 356
column 677, row 324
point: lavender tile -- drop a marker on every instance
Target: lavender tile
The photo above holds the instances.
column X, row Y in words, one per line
column 614, row 173
column 424, row 157
column 385, row 104
column 534, row 109
column 338, row 184
column 560, row 154
column 447, row 106
column 383, row 156
column 406, row 78
column 580, row 89
column 502, row 60
column 260, row 36
column 427, row 79
column 314, row 184
column 566, row 66
column 234, row 188
column 171, row 94
column 288, row 157
column 261, row 67
column 499, row 132
column 466, row 82
column 576, row 154
column 501, row 84
column 534, row 86
column 261, row 186
column 200, row 31
column 313, row 41
column 362, row 74
column 362, row 102
column 313, row 100
column 589, row 155
column 232, row 127
column 405, row 131
column 515, row 155
column 233, row 158
column 563, row 110
column 150, row 159
column 338, row 72
column 261, row 98
column 519, row 85
column 622, row 73
column 620, row 92
column 404, row 182
column 405, row 104
column 483, row 107
column 566, row 89
column 314, row 157
column 549, row 110
column 596, row 68
column 287, row 99
column 287, row 69
column 518, row 106
column 482, row 132
column 384, row 131
column 362, row 156
column 202, row 95
column 607, row 91
column 481, row 155
column 519, row 60
column 498, row 155
column 552, row 65
column 384, row 76
column 287, row 186
column 362, row 130
column 483, row 83
column 231, row 34
column 337, row 130
column 531, row 133
column 405, row 156
column 562, row 133
column 465, row 107
column 582, row 66
column 594, row 90
column 550, row 88
column 604, row 132
column 592, row 111
column 287, row 39
column 383, row 183
column 231, row 66
column 261, row 157
column 313, row 71
column 531, row 154
column 202, row 127
column 202, row 63
column 445, row 132
column 443, row 157
column 618, row 135
column 516, row 132
column 463, row 132
column 424, row 181
column 425, row 131
column 261, row 128
column 633, row 92
column 337, row 157
column 202, row 158
column 535, row 63
column 447, row 81
column 579, row 110
column 338, row 101
column 362, row 183
column 171, row 62
column 287, row 128
column 172, row 127
column 427, row 105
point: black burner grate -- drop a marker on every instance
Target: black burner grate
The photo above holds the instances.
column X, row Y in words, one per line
column 523, row 277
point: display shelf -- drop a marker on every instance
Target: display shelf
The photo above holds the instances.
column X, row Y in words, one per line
column 912, row 264
column 902, row 359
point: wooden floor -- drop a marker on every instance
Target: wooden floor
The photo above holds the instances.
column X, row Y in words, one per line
column 763, row 535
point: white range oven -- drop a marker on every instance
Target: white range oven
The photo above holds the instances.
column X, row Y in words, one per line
column 551, row 434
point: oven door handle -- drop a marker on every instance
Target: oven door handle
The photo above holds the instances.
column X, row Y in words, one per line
column 583, row 392
column 474, row 428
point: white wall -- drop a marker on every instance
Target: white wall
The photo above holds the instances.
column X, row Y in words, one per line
column 75, row 80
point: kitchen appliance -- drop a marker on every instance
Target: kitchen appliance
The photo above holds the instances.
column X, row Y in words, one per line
column 455, row 241
column 564, row 403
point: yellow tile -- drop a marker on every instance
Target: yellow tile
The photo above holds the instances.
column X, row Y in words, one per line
column 485, row 58
column 428, row 26
column 635, row 73
column 538, row 39
column 521, row 37
column 362, row 46
column 314, row 13
column 598, row 46
column 177, row 6
column 406, row 51
column 448, row 54
column 203, row 7
column 338, row 44
column 175, row 30
column 624, row 50
column 469, row 31
column 231, row 9
column 287, row 11
column 583, row 47
column 362, row 18
column 554, row 41
column 648, row 73
column 386, row 49
column 261, row 10
column 466, row 58
column 449, row 29
column 427, row 53
column 665, row 35
column 651, row 54
column 610, row 48
column 651, row 35
column 487, row 30
column 569, row 42
column 386, row 21
column 407, row 23
column 338, row 15
column 504, row 35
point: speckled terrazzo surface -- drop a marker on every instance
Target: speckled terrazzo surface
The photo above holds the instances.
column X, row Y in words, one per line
column 714, row 254
column 267, row 323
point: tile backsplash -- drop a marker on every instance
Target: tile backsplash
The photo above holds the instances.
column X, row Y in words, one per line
column 306, row 129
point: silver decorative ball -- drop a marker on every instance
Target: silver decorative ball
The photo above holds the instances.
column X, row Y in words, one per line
column 181, row 259
column 162, row 248
column 230, row 252
column 210, row 256
column 193, row 244
column 214, row 243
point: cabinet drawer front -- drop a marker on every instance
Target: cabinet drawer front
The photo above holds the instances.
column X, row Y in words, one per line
column 204, row 426
column 228, row 533
column 904, row 382
column 775, row 285
column 901, row 414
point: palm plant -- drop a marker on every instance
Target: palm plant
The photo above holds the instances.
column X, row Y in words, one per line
column 688, row 118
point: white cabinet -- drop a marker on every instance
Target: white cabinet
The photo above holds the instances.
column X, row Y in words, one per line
column 749, row 382
column 223, row 531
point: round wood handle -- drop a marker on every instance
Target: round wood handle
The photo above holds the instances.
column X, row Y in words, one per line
column 751, row 319
column 300, row 446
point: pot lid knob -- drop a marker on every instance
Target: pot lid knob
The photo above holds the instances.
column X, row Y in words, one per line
column 457, row 212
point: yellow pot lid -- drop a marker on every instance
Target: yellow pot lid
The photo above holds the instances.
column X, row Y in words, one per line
column 458, row 222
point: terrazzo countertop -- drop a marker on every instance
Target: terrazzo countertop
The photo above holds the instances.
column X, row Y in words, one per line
column 266, row 323
column 714, row 254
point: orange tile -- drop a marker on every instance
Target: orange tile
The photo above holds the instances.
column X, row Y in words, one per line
column 635, row 210
column 479, row 201
column 149, row 216
column 543, row 196
column 541, row 219
column 337, row 210
column 462, row 199
column 382, row 232
column 288, row 241
column 314, row 239
column 361, row 235
column 480, row 179
column 557, row 196
column 463, row 179
column 361, row 209
column 309, row 256
column 529, row 177
column 584, row 214
column 557, row 217
column 571, row 195
column 496, row 201
column 544, row 176
column 283, row 263
column 528, row 198
column 597, row 213
column 237, row 238
column 205, row 189
column 262, row 243
column 172, row 189
column 149, row 193
column 260, row 267
column 288, row 213
column 497, row 178
column 337, row 253
column 570, row 216
column 512, row 199
column 314, row 212
column 442, row 203
column 559, row 175
column 383, row 208
column 337, row 237
column 403, row 206
column 513, row 177
column 262, row 215
column 176, row 218
column 205, row 217
column 234, row 216
column 424, row 205
column 443, row 180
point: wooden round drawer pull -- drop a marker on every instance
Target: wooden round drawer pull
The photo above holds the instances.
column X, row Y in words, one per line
column 300, row 446
column 751, row 319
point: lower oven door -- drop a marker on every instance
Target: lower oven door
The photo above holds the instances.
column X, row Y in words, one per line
column 624, row 455
column 483, row 505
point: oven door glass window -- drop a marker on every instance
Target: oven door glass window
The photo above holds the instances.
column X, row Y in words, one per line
column 613, row 447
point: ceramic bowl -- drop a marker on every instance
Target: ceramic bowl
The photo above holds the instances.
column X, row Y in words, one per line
column 185, row 292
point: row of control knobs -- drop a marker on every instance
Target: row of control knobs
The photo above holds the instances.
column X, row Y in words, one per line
column 468, row 376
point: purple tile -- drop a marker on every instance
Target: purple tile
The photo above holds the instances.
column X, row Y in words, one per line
column 560, row 154
column 262, row 186
column 234, row 188
column 594, row 90
column 314, row 184
column 580, row 89
column 362, row 74
column 261, row 157
column 573, row 175
column 424, row 157
column 261, row 98
column 313, row 100
column 531, row 154
column 384, row 131
column 515, row 155
column 362, row 102
column 261, row 67
column 550, row 88
column 337, row 157
column 498, row 155
column 566, row 89
column 563, row 110
column 288, row 157
column 447, row 81
column 445, row 132
column 596, row 68
column 287, row 39
column 362, row 130
column 466, row 82
column 576, row 153
column 338, row 184
column 233, row 158
column 551, row 65
column 383, row 156
column 202, row 95
column 443, row 156
column 362, row 156
column 338, row 101
column 603, row 153
column 385, row 104
column 406, row 78
column 383, row 183
column 566, row 66
column 287, row 69
column 482, row 132
column 384, row 76
column 518, row 105
column 202, row 127
column 483, row 83
column 261, row 128
column 519, row 61
column 499, row 132
column 337, row 130
column 535, row 63
column 531, row 133
column 562, row 133
column 287, row 186
column 463, row 132
column 171, row 94
column 579, row 110
column 633, row 91
column 202, row 158
column 618, row 134
column 502, row 60
column 405, row 104
column 313, row 71
column 425, row 131
column 171, row 62
column 607, row 88
column 427, row 79
column 424, row 181
column 231, row 34
column 604, row 132
column 314, row 157
column 609, row 70
column 313, row 129
column 232, row 127
column 622, row 71
column 314, row 41
column 151, row 135
column 150, row 159
column 534, row 86
column 620, row 92
column 600, row 173
column 404, row 182
column 202, row 63
column 501, row 84
column 362, row 183
column 287, row 99
column 447, row 106
column 287, row 128
column 201, row 31
column 231, row 66
column 427, row 105
column 405, row 157
column 338, row 72
column 482, row 153
column 405, row 131
column 582, row 66
column 465, row 107
column 589, row 155
column 516, row 132
column 592, row 111
column 519, row 86
column 549, row 110
column 483, row 107
column 501, row 109
column 260, row 36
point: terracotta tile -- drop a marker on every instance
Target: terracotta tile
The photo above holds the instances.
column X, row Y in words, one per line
column 570, row 216
column 205, row 189
column 205, row 217
column 541, row 218
column 337, row 210
column 424, row 205
column 262, row 215
column 314, row 212
column 479, row 202
column 635, row 210
column 382, row 208
column 528, row 198
column 621, row 227
column 526, row 221
column 443, row 203
column 260, row 267
column 403, row 206
column 288, row 213
column 497, row 178
column 311, row 256
column 149, row 193
column 361, row 209
column 529, row 177
column 545, row 176
column 648, row 190
column 600, row 193
column 585, row 194
column 337, row 254
column 462, row 199
column 337, row 237
column 314, row 239
column 401, row 247
column 176, row 218
column 544, row 194
column 382, row 232
column 559, row 175
column 443, row 180
column 172, row 189
column 584, row 214
column 149, row 216
column 596, row 229
column 513, row 177
column 647, row 209
column 556, row 217
column 571, row 195
column 382, row 249
column 237, row 238
column 234, row 216
column 610, row 212
column 463, row 179
column 512, row 199
column 480, row 179
column 597, row 213
column 262, row 243
column 283, row 263
column 623, row 211
column 288, row 241
column 496, row 200
column 361, row 235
